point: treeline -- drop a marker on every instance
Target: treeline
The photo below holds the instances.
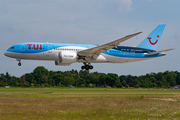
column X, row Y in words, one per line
column 41, row 77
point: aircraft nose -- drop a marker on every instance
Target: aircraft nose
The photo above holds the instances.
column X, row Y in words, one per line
column 6, row 53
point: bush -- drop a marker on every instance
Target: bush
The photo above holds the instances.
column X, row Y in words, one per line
column 137, row 86
column 82, row 85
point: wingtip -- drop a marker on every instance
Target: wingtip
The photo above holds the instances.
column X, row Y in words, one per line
column 172, row 48
column 163, row 24
column 138, row 33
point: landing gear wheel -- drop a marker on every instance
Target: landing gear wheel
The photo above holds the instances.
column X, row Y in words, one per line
column 87, row 66
column 19, row 64
column 91, row 67
column 82, row 67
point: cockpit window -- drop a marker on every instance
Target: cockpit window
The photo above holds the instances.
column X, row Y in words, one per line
column 11, row 48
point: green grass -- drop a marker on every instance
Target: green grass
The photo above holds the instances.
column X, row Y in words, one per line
column 89, row 106
column 86, row 95
column 89, row 90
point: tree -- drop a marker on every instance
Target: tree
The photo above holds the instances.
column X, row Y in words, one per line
column 102, row 80
column 58, row 79
column 91, row 78
column 2, row 83
column 82, row 83
column 113, row 80
column 51, row 82
column 83, row 73
column 135, row 82
column 153, row 79
column 90, row 85
column 77, row 79
column 27, row 84
column 23, row 79
column 8, row 77
column 177, row 77
column 161, row 79
column 41, row 76
column 3, row 79
column 14, row 81
column 129, row 81
column 146, row 83
column 154, row 85
column 124, row 83
column 38, row 72
column 44, row 79
column 68, row 81
column 29, row 77
column 171, row 78
column 88, row 78
column 68, row 74
column 136, row 86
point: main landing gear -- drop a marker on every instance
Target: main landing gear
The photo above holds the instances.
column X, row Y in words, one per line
column 87, row 66
column 19, row 62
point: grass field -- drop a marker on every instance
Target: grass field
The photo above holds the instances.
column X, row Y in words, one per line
column 89, row 106
column 89, row 90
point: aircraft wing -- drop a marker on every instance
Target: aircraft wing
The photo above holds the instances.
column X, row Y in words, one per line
column 93, row 53
column 152, row 53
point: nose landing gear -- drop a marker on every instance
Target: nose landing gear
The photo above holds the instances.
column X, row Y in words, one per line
column 87, row 66
column 19, row 62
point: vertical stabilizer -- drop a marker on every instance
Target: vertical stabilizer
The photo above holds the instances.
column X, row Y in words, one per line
column 152, row 40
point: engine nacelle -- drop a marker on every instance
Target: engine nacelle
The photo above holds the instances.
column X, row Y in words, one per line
column 65, row 58
column 62, row 64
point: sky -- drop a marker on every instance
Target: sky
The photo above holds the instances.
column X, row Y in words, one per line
column 89, row 22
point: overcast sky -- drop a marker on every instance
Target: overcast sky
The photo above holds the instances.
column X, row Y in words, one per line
column 89, row 22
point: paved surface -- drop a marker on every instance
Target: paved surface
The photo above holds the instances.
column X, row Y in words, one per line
column 64, row 93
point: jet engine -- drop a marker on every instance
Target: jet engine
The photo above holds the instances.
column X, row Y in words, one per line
column 65, row 58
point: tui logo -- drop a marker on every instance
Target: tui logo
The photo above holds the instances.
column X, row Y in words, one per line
column 149, row 38
column 35, row 47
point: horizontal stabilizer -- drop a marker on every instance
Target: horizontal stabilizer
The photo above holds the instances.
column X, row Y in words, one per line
column 152, row 53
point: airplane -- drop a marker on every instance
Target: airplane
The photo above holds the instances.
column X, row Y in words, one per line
column 66, row 54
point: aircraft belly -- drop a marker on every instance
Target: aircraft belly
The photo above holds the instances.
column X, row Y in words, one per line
column 35, row 56
column 114, row 59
